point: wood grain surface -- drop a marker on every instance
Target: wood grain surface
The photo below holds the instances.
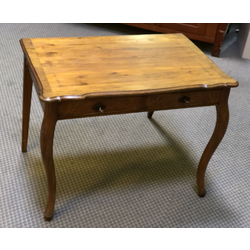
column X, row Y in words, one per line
column 84, row 67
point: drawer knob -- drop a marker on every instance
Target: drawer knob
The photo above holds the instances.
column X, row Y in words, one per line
column 99, row 107
column 184, row 99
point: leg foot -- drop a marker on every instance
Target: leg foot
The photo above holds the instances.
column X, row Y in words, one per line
column 46, row 141
column 202, row 192
column 150, row 113
column 219, row 131
column 48, row 217
column 27, row 91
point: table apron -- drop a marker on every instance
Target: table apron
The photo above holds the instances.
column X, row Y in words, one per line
column 127, row 104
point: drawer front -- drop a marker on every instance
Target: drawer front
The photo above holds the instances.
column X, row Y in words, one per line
column 193, row 28
column 128, row 104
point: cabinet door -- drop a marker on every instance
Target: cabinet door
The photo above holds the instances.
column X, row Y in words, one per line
column 193, row 28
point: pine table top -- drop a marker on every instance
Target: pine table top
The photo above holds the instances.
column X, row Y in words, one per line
column 83, row 67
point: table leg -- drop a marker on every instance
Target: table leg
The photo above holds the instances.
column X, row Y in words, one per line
column 27, row 91
column 218, row 134
column 150, row 113
column 46, row 141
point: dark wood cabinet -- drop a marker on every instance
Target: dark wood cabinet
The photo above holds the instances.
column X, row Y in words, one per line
column 205, row 32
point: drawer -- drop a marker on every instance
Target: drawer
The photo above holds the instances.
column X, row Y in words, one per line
column 140, row 103
column 192, row 28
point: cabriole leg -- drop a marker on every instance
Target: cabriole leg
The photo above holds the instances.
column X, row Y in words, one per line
column 218, row 134
column 46, row 142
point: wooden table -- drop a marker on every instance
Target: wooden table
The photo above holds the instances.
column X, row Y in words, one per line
column 92, row 76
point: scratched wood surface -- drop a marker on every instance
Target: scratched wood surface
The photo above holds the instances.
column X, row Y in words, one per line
column 80, row 67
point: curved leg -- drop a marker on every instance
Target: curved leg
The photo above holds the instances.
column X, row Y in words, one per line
column 219, row 131
column 150, row 113
column 46, row 143
column 27, row 91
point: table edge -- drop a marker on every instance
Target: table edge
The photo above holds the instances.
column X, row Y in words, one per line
column 130, row 93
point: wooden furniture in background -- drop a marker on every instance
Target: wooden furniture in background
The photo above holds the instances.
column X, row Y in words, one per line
column 94, row 76
column 205, row 32
column 244, row 40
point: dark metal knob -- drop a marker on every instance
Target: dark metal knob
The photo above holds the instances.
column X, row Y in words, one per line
column 184, row 99
column 99, row 107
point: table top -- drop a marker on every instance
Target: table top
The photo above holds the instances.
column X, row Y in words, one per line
column 85, row 67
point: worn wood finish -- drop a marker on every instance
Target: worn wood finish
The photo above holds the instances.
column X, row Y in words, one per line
column 46, row 142
column 27, row 91
column 218, row 134
column 92, row 76
column 205, row 32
